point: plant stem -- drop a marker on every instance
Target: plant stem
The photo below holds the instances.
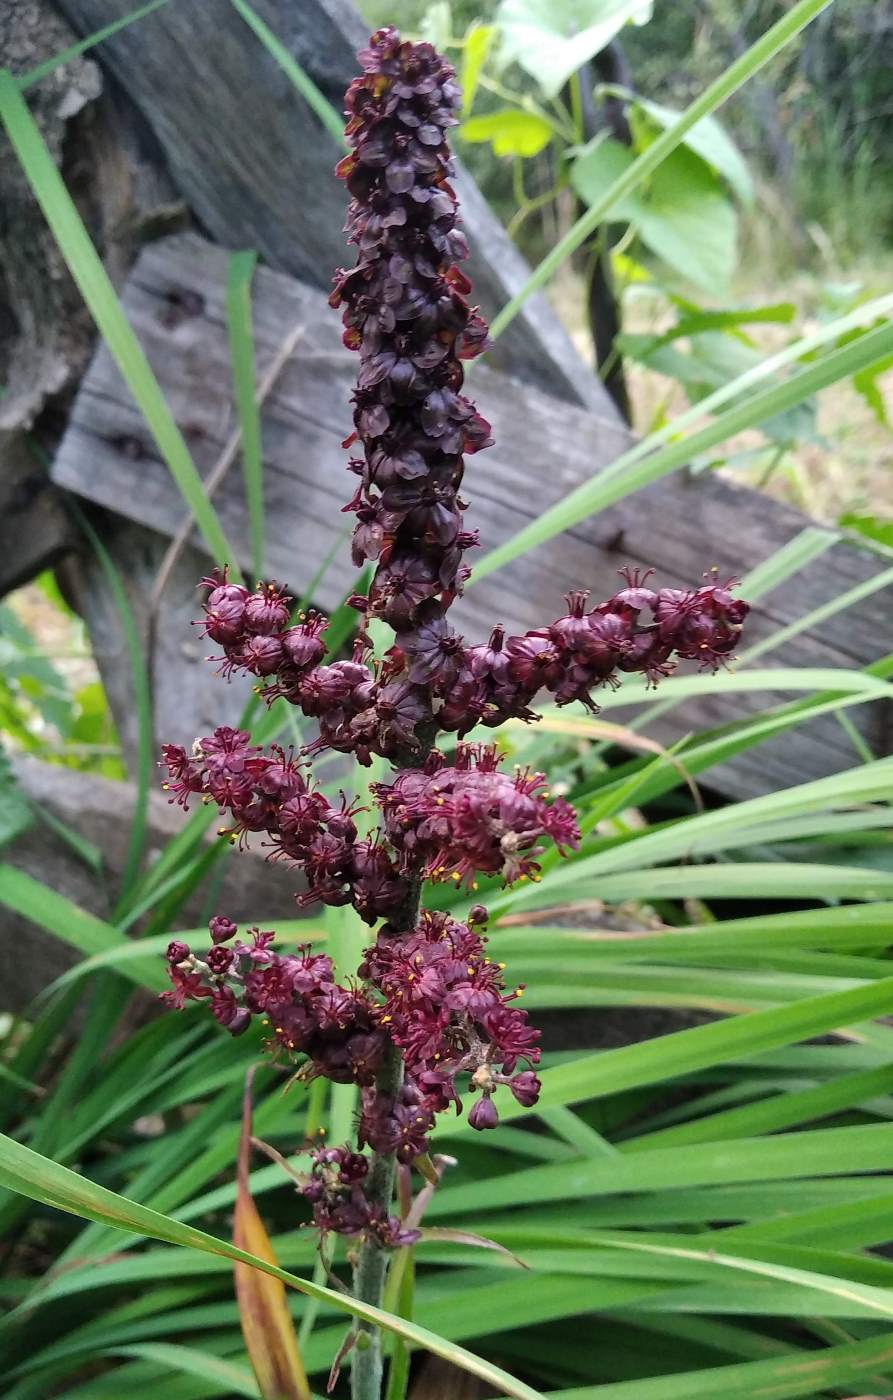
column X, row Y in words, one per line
column 372, row 1265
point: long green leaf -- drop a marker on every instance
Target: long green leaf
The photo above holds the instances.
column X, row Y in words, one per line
column 803, row 1374
column 240, row 271
column 621, row 478
column 73, row 925
column 653, row 1061
column 786, row 1156
column 96, row 288
column 315, row 99
column 37, row 1177
column 34, row 75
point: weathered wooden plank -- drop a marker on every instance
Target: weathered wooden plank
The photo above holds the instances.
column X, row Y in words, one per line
column 543, row 449
column 255, row 164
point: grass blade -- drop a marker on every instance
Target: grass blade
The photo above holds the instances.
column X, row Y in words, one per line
column 684, row 1052
column 802, row 1374
column 36, row 1177
column 240, row 271
column 95, row 286
column 315, row 99
column 50, row 65
column 83, row 931
column 622, row 477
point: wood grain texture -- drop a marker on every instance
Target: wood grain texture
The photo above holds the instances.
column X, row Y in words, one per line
column 544, row 448
column 254, row 163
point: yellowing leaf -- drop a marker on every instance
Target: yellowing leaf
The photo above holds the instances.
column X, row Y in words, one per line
column 475, row 48
column 510, row 132
column 263, row 1310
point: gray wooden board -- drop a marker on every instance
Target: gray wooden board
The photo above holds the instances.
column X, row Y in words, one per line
column 544, row 448
column 255, row 164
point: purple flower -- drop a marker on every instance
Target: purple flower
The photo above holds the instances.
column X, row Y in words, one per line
column 483, row 1114
column 427, row 987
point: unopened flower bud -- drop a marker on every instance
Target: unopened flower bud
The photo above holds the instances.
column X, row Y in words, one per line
column 484, row 1114
column 221, row 928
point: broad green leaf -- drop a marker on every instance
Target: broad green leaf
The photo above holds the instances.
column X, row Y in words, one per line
column 511, row 132
column 733, row 78
column 37, row 1177
column 551, row 39
column 865, row 382
column 873, row 527
column 15, row 813
column 681, row 214
column 707, row 138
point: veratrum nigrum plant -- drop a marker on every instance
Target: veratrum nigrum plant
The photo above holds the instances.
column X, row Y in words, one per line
column 427, row 1017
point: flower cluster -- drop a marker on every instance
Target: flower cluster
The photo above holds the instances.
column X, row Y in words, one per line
column 334, row 1189
column 405, row 312
column 269, row 793
column 296, row 996
column 455, row 821
column 430, row 680
column 446, row 1008
column 637, row 629
column 428, row 1013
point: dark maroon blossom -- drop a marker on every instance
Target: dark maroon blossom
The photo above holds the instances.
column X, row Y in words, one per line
column 307, row 1014
column 429, row 1016
column 334, row 1190
column 446, row 1006
column 472, row 817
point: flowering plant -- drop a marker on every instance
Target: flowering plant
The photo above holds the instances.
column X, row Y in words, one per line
column 428, row 1014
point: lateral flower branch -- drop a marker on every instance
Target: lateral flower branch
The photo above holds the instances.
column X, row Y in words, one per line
column 428, row 1014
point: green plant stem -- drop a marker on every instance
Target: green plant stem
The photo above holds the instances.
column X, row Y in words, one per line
column 372, row 1265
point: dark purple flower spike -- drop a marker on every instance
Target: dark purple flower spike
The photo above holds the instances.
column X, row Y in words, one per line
column 428, row 1014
